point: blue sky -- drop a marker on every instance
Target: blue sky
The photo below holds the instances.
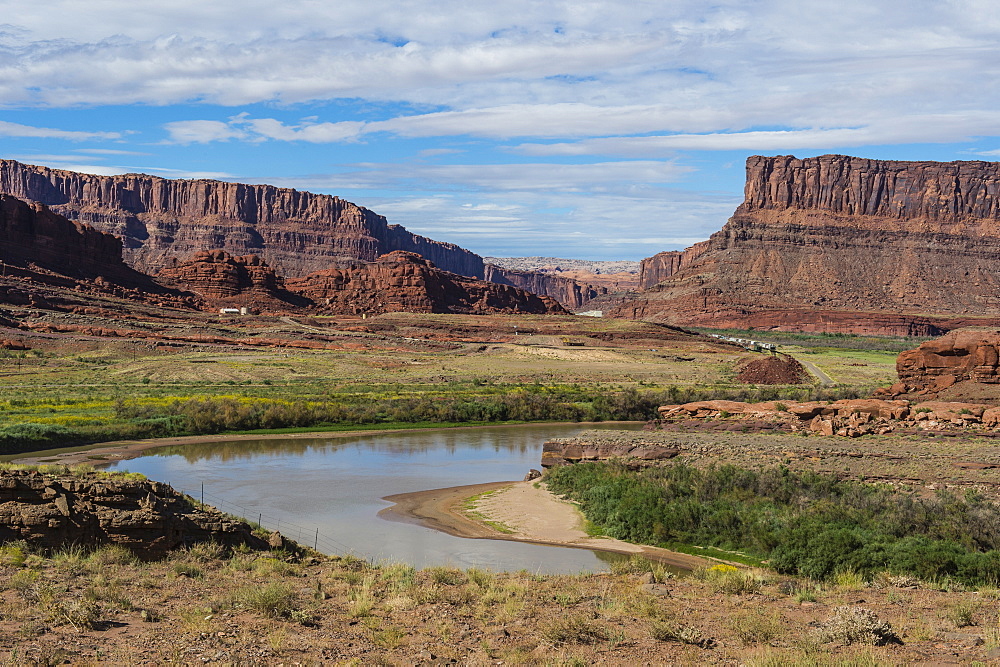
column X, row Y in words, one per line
column 587, row 129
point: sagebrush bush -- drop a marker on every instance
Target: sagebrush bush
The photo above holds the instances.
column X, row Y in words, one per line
column 857, row 625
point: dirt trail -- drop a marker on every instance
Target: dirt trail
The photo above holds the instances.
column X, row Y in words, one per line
column 824, row 379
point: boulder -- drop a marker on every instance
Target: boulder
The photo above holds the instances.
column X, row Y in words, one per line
column 963, row 355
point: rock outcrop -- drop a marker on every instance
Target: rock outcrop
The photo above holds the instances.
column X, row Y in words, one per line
column 405, row 282
column 572, row 282
column 226, row 281
column 564, row 451
column 160, row 219
column 148, row 518
column 33, row 236
column 837, row 243
column 965, row 355
column 39, row 247
column 849, row 418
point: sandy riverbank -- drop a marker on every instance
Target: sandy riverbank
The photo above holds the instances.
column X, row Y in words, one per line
column 532, row 512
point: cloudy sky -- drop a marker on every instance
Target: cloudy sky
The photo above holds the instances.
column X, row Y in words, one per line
column 591, row 128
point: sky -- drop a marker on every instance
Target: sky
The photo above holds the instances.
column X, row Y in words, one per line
column 589, row 129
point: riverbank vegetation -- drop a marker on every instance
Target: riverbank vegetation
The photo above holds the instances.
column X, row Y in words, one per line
column 32, row 426
column 401, row 372
column 799, row 523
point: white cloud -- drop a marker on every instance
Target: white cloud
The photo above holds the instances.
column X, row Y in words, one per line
column 616, row 209
column 202, row 131
column 629, row 88
column 8, row 129
column 312, row 132
column 107, row 151
column 632, row 176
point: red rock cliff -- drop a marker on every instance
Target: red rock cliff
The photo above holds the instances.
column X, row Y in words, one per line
column 662, row 265
column 839, row 243
column 227, row 281
column 405, row 282
column 160, row 219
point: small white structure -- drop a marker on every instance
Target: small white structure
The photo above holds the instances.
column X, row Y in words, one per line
column 232, row 311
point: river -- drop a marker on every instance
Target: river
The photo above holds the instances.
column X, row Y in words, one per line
column 335, row 486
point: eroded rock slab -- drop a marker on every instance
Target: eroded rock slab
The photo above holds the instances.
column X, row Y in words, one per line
column 148, row 518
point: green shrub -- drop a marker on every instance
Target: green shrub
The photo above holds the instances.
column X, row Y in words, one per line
column 801, row 523
column 274, row 600
column 963, row 613
column 448, row 576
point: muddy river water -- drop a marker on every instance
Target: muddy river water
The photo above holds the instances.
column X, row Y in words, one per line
column 329, row 491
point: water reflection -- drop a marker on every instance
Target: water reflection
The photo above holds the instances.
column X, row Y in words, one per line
column 335, row 485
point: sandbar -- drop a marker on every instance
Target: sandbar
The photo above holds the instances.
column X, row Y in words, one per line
column 529, row 509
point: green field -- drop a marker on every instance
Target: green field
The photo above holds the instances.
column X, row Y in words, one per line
column 404, row 371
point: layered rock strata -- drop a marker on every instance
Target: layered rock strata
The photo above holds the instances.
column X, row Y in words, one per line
column 159, row 219
column 33, row 236
column 662, row 265
column 406, row 282
column 39, row 247
column 837, row 243
column 572, row 282
column 148, row 518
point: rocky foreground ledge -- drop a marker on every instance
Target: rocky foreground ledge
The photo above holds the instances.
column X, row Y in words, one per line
column 149, row 518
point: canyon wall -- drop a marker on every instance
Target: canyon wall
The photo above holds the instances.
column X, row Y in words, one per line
column 837, row 243
column 566, row 291
column 662, row 265
column 32, row 235
column 159, row 219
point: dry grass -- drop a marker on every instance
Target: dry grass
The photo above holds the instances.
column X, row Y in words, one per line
column 349, row 610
